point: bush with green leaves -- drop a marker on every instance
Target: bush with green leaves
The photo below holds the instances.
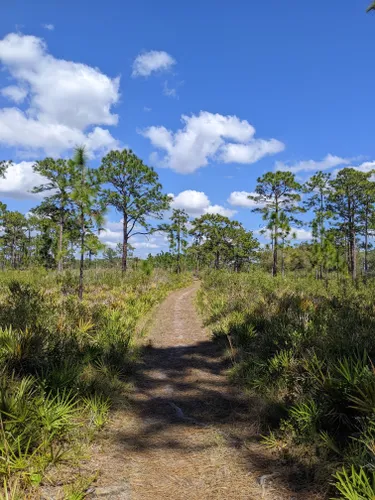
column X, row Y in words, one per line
column 307, row 349
column 62, row 360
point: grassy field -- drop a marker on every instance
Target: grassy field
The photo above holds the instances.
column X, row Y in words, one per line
column 308, row 351
column 62, row 361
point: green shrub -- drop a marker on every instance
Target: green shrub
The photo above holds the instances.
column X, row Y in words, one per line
column 307, row 348
column 61, row 361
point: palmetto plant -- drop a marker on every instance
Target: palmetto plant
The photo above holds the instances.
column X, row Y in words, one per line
column 355, row 484
column 59, row 356
column 19, row 349
column 98, row 408
column 312, row 354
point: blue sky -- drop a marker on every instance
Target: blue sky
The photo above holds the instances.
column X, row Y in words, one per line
column 116, row 73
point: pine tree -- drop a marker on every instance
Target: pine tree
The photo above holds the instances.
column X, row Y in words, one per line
column 14, row 237
column 220, row 241
column 367, row 215
column 85, row 188
column 135, row 192
column 318, row 186
column 57, row 205
column 177, row 232
column 278, row 195
column 346, row 203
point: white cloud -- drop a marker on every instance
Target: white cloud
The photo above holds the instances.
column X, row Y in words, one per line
column 149, row 62
column 241, row 199
column 111, row 235
column 146, row 109
column 14, row 93
column 49, row 27
column 197, row 203
column 218, row 209
column 366, row 166
column 31, row 135
column 169, row 91
column 194, row 202
column 19, row 180
column 145, row 244
column 299, row 234
column 204, row 138
column 328, row 162
column 66, row 99
column 114, row 226
column 252, row 152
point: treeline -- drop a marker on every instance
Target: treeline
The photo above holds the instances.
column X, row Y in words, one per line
column 340, row 211
column 71, row 215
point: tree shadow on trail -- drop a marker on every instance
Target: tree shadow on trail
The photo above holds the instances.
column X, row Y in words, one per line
column 182, row 389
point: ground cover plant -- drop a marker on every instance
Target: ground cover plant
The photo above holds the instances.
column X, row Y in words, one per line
column 298, row 317
column 306, row 347
column 63, row 360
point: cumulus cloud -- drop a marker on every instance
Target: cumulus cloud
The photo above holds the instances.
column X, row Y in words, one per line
column 20, row 179
column 218, row 209
column 197, row 203
column 152, row 61
column 65, row 100
column 326, row 163
column 241, row 199
column 206, row 137
column 49, row 27
column 251, row 153
column 366, row 166
column 14, row 93
column 115, row 226
column 111, row 235
column 302, row 234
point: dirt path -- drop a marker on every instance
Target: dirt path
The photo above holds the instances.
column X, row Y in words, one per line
column 182, row 435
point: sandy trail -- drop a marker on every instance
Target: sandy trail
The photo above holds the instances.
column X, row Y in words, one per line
column 185, row 434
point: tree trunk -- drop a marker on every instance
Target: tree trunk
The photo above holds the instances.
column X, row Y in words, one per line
column 366, row 244
column 353, row 256
column 82, row 261
column 197, row 267
column 217, row 260
column 13, row 258
column 275, row 259
column 60, row 261
column 124, row 262
column 178, row 252
column 275, row 245
column 321, row 235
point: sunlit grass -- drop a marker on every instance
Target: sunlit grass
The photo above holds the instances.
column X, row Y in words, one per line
column 308, row 350
column 62, row 360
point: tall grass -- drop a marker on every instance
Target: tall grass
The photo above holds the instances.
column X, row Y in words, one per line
column 308, row 351
column 62, row 360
